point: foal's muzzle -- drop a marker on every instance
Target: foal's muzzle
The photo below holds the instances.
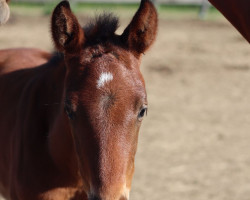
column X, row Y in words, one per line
column 98, row 198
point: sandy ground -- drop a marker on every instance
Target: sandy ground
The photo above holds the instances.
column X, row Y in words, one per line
column 195, row 141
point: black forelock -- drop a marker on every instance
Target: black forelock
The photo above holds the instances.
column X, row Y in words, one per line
column 102, row 27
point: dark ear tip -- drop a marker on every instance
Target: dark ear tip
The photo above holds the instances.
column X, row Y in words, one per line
column 146, row 1
column 58, row 9
column 150, row 2
column 63, row 4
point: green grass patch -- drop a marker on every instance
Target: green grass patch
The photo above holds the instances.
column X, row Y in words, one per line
column 185, row 12
column 123, row 10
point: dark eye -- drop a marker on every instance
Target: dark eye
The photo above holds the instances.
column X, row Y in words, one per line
column 68, row 109
column 142, row 113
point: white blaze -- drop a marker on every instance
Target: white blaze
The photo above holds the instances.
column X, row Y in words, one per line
column 126, row 192
column 105, row 77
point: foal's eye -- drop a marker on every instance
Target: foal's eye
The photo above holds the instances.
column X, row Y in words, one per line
column 68, row 110
column 142, row 113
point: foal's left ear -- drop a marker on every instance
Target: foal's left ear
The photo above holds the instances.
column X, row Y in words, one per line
column 67, row 34
column 141, row 32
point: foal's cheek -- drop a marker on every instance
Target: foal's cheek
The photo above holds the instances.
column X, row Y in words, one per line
column 82, row 148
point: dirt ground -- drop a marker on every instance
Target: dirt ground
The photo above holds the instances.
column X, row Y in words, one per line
column 195, row 141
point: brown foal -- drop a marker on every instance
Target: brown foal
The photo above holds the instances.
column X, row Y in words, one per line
column 69, row 127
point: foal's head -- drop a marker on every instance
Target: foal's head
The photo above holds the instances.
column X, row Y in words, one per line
column 105, row 97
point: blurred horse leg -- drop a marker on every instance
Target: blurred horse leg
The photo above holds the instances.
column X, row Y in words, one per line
column 204, row 9
column 4, row 11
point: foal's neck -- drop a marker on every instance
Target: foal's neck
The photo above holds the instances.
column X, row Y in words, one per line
column 61, row 143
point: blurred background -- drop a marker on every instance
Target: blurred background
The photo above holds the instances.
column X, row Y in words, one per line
column 195, row 142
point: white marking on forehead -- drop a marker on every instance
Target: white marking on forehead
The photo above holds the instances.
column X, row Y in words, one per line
column 105, row 77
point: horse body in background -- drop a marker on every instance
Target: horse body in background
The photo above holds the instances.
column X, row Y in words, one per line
column 237, row 12
column 69, row 128
column 14, row 59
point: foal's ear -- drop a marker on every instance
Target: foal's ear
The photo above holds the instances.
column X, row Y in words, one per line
column 141, row 32
column 67, row 34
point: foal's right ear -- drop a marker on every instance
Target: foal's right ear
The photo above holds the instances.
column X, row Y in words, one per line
column 141, row 32
column 67, row 34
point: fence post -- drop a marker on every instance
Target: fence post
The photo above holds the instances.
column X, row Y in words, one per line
column 205, row 5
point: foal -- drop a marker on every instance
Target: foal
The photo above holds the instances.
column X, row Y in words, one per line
column 69, row 128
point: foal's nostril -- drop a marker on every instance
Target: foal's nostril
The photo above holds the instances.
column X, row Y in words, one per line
column 94, row 198
column 97, row 198
column 123, row 198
